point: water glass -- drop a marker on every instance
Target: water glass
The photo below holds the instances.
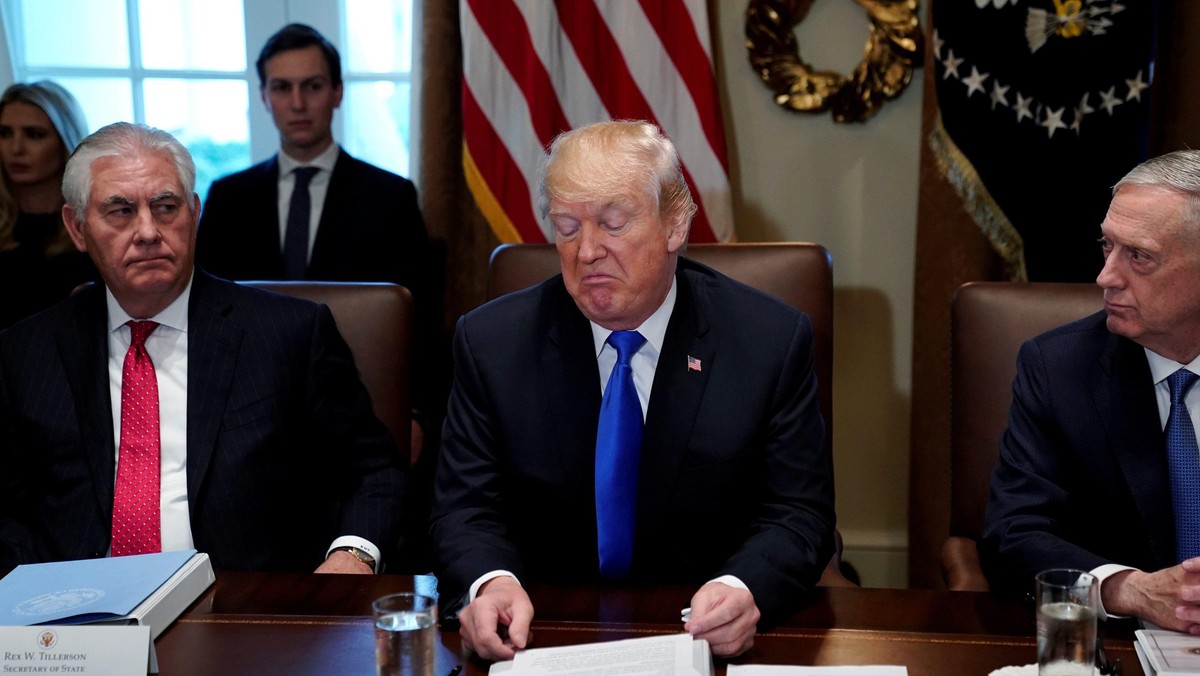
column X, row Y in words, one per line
column 405, row 634
column 1068, row 602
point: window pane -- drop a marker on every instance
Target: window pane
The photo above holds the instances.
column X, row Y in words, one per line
column 193, row 35
column 377, row 123
column 210, row 117
column 85, row 33
column 382, row 36
column 104, row 99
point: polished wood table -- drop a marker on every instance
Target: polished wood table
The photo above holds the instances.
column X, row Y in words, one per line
column 301, row 624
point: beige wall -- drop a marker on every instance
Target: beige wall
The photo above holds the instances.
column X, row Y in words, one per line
column 852, row 188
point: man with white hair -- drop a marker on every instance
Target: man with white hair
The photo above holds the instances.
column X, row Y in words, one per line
column 166, row 409
column 1099, row 469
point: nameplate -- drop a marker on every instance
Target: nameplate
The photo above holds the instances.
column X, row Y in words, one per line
column 87, row 650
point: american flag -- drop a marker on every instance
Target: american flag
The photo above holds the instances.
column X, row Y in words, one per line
column 535, row 68
column 693, row 364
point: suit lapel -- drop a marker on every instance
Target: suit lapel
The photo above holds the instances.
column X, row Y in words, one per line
column 268, row 254
column 213, row 343
column 332, row 221
column 674, row 400
column 1124, row 395
column 256, row 227
column 572, row 378
column 83, row 349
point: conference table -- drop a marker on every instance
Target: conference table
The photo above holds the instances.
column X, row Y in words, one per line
column 301, row 624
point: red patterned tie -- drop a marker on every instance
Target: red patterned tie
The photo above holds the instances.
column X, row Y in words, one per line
column 136, row 527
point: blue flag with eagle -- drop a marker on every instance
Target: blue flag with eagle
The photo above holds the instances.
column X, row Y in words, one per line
column 1044, row 105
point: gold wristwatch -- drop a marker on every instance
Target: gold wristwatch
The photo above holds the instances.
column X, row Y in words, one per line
column 359, row 554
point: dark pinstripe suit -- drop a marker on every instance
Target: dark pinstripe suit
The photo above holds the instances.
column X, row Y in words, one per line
column 283, row 451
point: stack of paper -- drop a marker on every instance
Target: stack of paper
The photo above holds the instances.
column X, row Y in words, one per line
column 149, row 589
column 671, row 655
column 1168, row 653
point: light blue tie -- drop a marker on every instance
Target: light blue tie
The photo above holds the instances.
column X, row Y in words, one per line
column 618, row 449
column 1183, row 457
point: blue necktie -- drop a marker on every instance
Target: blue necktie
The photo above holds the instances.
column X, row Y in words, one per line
column 618, row 448
column 1183, row 457
column 295, row 241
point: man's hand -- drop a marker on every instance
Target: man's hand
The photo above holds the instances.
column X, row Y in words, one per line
column 725, row 617
column 496, row 624
column 1170, row 598
column 344, row 562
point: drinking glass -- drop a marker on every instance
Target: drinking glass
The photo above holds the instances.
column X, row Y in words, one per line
column 1067, row 604
column 405, row 634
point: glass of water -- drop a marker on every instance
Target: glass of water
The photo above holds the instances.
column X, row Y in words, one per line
column 405, row 634
column 1067, row 604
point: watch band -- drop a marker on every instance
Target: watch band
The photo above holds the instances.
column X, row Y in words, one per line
column 359, row 554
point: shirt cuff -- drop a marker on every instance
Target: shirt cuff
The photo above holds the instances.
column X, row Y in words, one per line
column 358, row 543
column 484, row 579
column 1102, row 573
column 732, row 581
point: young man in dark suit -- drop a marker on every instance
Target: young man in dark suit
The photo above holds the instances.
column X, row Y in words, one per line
column 356, row 222
column 166, row 409
column 714, row 473
column 1093, row 472
column 313, row 212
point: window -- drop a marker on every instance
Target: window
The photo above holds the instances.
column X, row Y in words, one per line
column 186, row 66
column 378, row 98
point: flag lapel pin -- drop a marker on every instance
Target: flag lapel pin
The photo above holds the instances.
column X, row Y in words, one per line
column 693, row 364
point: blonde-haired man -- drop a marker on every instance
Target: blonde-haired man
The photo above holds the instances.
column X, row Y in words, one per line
column 721, row 479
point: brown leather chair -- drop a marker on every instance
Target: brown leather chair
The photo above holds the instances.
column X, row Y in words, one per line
column 376, row 321
column 989, row 322
column 800, row 274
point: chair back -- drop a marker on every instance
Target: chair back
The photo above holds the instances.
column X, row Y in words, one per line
column 798, row 273
column 989, row 322
column 376, row 321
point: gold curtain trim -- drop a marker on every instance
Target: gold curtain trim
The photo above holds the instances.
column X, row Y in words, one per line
column 978, row 202
column 502, row 226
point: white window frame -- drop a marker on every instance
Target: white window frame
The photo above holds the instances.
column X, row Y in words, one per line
column 263, row 18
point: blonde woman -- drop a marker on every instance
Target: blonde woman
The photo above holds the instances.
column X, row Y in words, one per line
column 40, row 125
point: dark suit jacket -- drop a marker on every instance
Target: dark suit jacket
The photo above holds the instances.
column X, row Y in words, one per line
column 1082, row 477
column 734, row 475
column 371, row 230
column 283, row 451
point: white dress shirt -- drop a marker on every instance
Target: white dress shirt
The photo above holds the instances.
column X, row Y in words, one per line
column 318, row 187
column 645, row 360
